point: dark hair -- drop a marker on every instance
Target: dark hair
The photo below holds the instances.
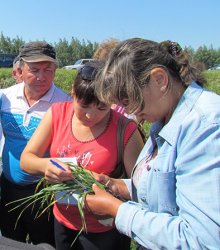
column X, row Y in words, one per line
column 84, row 83
column 129, row 65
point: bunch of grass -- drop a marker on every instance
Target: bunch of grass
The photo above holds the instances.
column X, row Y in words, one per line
column 81, row 184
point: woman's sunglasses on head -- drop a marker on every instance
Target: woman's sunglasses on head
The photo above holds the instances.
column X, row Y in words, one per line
column 87, row 73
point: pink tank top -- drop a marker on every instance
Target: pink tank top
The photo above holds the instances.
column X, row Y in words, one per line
column 99, row 155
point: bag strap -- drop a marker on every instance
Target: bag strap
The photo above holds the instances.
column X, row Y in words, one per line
column 122, row 124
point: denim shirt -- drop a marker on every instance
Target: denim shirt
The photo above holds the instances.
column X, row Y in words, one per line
column 177, row 201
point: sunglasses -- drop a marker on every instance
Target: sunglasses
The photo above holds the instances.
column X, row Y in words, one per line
column 87, row 73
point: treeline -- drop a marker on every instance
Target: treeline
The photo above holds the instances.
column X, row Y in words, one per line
column 70, row 51
column 67, row 52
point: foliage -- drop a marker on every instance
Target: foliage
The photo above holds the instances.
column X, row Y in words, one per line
column 6, row 78
column 64, row 79
column 67, row 52
column 70, row 51
column 8, row 45
column 63, row 52
column 209, row 56
column 213, row 80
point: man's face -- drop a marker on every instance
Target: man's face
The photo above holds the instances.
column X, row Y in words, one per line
column 38, row 77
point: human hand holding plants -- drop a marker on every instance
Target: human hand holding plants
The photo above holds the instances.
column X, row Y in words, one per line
column 105, row 203
column 117, row 187
column 102, row 203
column 57, row 171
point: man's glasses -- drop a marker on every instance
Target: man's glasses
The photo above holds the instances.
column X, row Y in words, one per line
column 87, row 73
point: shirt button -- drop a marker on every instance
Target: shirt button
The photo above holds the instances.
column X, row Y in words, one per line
column 148, row 168
column 143, row 199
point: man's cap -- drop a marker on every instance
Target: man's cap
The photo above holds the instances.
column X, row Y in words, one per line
column 38, row 52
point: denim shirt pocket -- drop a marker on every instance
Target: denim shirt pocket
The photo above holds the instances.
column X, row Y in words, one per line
column 167, row 192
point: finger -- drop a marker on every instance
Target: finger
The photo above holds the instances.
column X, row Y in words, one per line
column 57, row 175
column 103, row 178
column 85, row 205
column 97, row 189
column 61, row 166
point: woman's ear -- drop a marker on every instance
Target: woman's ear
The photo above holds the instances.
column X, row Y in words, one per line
column 161, row 78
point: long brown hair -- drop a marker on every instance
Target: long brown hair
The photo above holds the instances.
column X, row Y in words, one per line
column 128, row 68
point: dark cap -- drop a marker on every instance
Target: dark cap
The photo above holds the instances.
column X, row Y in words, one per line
column 38, row 52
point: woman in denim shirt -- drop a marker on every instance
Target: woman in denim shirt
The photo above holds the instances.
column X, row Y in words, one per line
column 173, row 198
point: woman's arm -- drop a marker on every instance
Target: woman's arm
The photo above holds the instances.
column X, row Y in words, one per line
column 32, row 159
column 194, row 195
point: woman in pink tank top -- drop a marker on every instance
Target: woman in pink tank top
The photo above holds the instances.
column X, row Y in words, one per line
column 85, row 131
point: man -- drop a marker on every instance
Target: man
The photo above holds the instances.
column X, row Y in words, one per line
column 16, row 70
column 16, row 74
column 22, row 108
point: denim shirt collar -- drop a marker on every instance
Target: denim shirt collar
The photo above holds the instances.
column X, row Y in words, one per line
column 160, row 132
column 184, row 106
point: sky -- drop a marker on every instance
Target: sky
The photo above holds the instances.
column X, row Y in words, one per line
column 191, row 23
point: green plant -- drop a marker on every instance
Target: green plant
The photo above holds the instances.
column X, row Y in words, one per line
column 213, row 80
column 6, row 78
column 81, row 184
column 64, row 79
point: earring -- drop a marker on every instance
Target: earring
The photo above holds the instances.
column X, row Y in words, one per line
column 163, row 89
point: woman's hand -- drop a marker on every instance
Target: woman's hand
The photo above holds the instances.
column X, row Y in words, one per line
column 57, row 171
column 102, row 203
column 116, row 187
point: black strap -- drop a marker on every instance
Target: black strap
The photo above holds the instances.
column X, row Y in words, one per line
column 120, row 171
column 122, row 124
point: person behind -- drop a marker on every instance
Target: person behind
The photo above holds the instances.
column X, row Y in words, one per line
column 16, row 74
column 16, row 70
column 22, row 108
column 85, row 130
column 102, row 53
column 105, row 48
column 173, row 195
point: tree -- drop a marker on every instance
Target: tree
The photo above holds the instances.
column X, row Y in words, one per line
column 206, row 55
column 63, row 52
column 69, row 52
column 8, row 45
